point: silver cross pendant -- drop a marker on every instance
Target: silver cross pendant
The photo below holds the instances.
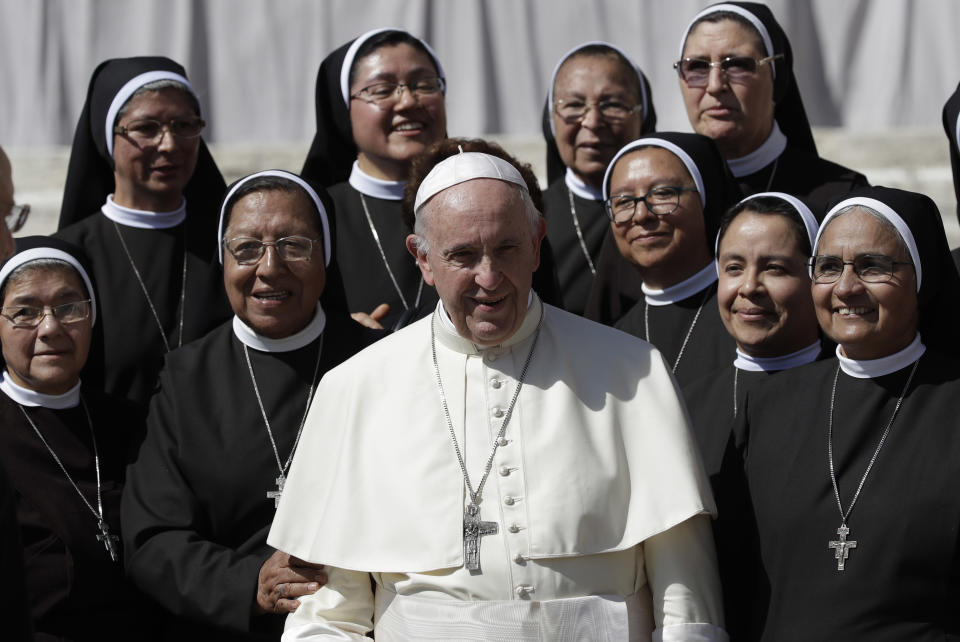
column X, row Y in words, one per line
column 473, row 530
column 276, row 494
column 109, row 540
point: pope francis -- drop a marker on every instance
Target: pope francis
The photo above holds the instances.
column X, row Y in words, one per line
column 500, row 470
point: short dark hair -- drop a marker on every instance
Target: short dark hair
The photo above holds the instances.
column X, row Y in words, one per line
column 388, row 38
column 267, row 184
column 159, row 85
column 771, row 206
column 606, row 51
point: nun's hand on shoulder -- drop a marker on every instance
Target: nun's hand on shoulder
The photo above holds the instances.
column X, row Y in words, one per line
column 284, row 578
column 372, row 320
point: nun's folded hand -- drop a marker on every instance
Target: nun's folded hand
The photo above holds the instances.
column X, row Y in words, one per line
column 284, row 578
column 372, row 320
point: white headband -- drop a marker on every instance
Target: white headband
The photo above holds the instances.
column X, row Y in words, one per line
column 462, row 167
column 740, row 11
column 128, row 90
column 644, row 99
column 352, row 53
column 886, row 212
column 665, row 144
column 37, row 253
column 324, row 220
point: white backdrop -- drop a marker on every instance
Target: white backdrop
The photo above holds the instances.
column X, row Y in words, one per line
column 862, row 64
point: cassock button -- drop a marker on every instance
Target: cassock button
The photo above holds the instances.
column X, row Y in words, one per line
column 513, row 528
column 509, row 501
column 502, row 441
column 523, row 590
column 496, row 383
column 504, row 471
column 491, row 356
column 519, row 559
column 498, row 412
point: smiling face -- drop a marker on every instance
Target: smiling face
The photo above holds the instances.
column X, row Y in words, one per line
column 276, row 298
column 738, row 116
column 587, row 146
column 868, row 320
column 153, row 176
column 48, row 358
column 764, row 290
column 388, row 137
column 481, row 258
column 666, row 249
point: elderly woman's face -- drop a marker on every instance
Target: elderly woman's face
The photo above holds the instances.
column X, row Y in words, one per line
column 764, row 290
column 276, row 298
column 152, row 176
column 389, row 134
column 48, row 358
column 868, row 320
column 738, row 116
column 587, row 145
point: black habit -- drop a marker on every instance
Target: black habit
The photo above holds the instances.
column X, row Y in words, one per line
column 195, row 509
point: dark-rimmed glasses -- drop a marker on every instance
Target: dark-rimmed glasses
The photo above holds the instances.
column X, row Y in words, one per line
column 16, row 218
column 574, row 110
column 148, row 131
column 738, row 69
column 385, row 93
column 30, row 316
column 248, row 250
column 869, row 268
column 660, row 201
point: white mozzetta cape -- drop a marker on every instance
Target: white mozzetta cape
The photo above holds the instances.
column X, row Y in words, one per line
column 605, row 458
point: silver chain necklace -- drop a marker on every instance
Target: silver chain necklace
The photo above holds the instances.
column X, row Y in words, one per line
column 383, row 257
column 473, row 527
column 183, row 287
column 108, row 540
column 576, row 226
column 646, row 327
column 736, row 371
column 842, row 545
column 275, row 495
column 773, row 173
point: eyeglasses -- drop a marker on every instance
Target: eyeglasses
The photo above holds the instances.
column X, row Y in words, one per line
column 660, row 201
column 574, row 110
column 386, row 93
column 870, row 268
column 29, row 316
column 248, row 250
column 17, row 217
column 738, row 69
column 149, row 131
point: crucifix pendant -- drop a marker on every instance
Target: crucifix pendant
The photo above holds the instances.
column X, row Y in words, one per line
column 473, row 530
column 276, row 494
column 842, row 546
column 109, row 540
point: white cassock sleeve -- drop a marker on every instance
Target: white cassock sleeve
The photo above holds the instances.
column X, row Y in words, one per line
column 340, row 610
column 681, row 569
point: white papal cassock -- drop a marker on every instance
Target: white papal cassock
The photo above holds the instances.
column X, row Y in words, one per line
column 599, row 495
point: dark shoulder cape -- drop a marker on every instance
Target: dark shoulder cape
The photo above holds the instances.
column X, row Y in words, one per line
column 195, row 509
column 573, row 270
column 902, row 581
column 75, row 591
column 127, row 349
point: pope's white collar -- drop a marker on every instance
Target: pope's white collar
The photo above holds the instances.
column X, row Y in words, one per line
column 873, row 368
column 762, row 156
column 32, row 398
column 773, row 364
column 581, row 189
column 142, row 218
column 249, row 337
column 683, row 290
column 447, row 332
column 375, row 187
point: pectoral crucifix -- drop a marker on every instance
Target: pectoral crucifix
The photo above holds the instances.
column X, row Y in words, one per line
column 109, row 540
column 276, row 494
column 473, row 530
column 842, row 546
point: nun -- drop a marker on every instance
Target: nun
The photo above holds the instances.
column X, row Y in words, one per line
column 852, row 462
column 664, row 195
column 212, row 469
column 141, row 200
column 64, row 447
column 599, row 101
column 380, row 103
column 736, row 77
column 951, row 125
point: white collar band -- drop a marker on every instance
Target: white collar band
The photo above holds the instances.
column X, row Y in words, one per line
column 873, row 368
column 683, row 290
column 250, row 338
column 375, row 187
column 762, row 156
column 32, row 398
column 581, row 189
column 129, row 89
column 774, row 364
column 142, row 218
